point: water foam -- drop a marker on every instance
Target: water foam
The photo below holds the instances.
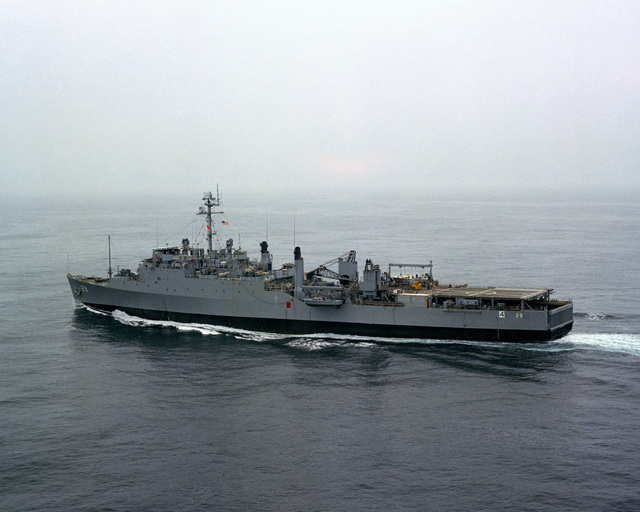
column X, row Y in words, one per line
column 624, row 343
column 314, row 342
column 93, row 310
column 204, row 329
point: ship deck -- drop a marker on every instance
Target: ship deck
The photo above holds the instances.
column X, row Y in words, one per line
column 489, row 293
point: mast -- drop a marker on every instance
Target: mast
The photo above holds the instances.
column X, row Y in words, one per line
column 210, row 202
column 109, row 240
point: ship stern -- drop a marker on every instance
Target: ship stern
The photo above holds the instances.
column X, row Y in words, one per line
column 560, row 320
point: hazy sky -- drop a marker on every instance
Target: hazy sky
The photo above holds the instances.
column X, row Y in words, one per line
column 177, row 96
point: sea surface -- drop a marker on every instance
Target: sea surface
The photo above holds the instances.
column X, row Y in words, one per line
column 114, row 413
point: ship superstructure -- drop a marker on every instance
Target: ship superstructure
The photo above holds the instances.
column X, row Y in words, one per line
column 224, row 286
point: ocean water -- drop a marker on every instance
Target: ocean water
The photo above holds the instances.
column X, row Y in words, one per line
column 112, row 412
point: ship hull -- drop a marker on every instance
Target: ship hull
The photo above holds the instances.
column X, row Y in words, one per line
column 246, row 304
column 290, row 326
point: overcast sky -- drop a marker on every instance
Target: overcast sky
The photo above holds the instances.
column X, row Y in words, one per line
column 177, row 96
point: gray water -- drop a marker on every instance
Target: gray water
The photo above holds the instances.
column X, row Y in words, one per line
column 111, row 412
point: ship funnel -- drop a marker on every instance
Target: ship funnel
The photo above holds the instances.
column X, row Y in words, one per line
column 298, row 281
column 265, row 257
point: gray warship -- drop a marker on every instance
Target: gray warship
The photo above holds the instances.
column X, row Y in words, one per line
column 223, row 286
